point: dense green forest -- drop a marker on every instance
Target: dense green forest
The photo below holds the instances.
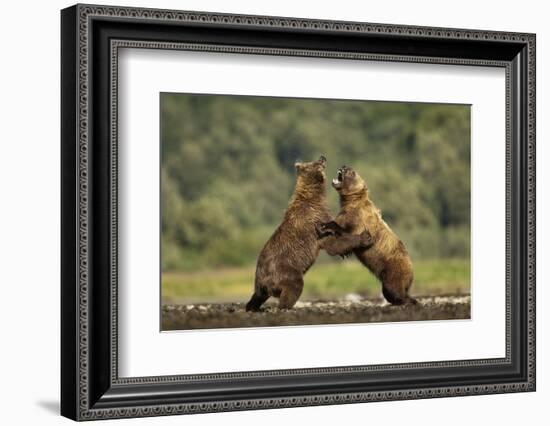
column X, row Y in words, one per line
column 227, row 171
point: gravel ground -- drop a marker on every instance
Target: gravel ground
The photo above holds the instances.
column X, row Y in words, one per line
column 351, row 309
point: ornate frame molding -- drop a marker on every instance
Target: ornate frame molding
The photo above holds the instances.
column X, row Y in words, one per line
column 80, row 19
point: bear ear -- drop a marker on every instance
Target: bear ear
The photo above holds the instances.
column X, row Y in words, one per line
column 298, row 166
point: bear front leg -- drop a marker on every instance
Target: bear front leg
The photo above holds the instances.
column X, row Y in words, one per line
column 329, row 228
column 366, row 239
column 344, row 244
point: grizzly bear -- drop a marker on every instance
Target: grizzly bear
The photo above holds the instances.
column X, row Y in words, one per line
column 387, row 258
column 294, row 245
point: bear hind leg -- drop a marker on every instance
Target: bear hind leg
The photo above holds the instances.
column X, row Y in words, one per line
column 398, row 298
column 290, row 293
column 395, row 288
column 257, row 300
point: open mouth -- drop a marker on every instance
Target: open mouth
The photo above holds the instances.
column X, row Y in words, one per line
column 337, row 181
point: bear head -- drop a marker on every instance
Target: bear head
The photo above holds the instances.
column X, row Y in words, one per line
column 313, row 172
column 348, row 182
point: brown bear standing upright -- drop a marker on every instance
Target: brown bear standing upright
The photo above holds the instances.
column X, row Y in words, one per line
column 387, row 258
column 294, row 245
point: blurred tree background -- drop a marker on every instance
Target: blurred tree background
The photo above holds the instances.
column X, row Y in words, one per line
column 227, row 171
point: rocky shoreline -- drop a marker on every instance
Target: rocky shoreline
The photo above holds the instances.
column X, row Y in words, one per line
column 351, row 309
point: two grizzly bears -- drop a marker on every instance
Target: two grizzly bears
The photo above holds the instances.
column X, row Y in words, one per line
column 307, row 227
column 295, row 245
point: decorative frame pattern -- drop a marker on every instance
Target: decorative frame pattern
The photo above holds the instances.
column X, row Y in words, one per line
column 89, row 401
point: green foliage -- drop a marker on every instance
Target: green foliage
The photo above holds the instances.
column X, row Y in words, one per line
column 323, row 281
column 227, row 171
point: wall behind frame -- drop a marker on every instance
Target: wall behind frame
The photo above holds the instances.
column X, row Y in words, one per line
column 30, row 225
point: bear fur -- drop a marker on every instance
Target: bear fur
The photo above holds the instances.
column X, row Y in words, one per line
column 387, row 258
column 295, row 244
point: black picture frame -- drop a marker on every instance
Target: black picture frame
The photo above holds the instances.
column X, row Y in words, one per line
column 90, row 386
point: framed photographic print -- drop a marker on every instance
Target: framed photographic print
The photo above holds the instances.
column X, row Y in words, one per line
column 263, row 212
